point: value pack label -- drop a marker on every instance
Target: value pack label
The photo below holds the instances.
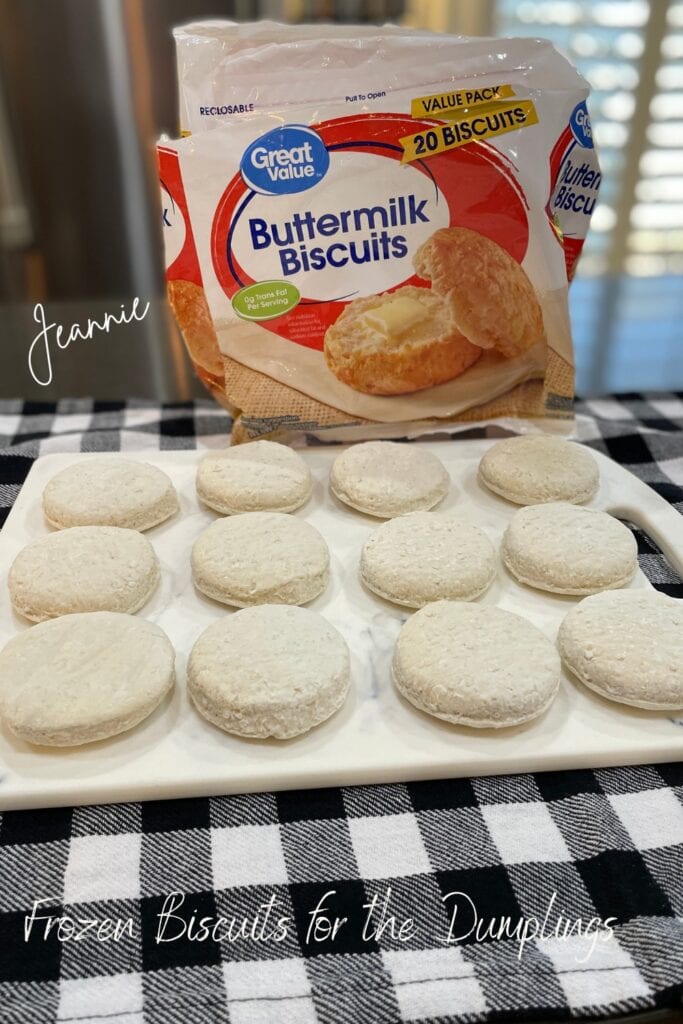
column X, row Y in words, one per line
column 483, row 122
column 445, row 104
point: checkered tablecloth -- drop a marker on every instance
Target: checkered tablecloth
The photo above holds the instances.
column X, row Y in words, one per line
column 435, row 857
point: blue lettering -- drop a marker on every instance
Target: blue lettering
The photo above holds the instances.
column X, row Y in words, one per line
column 258, row 229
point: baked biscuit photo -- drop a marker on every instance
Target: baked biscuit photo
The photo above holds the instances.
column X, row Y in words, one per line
column 191, row 310
column 491, row 299
column 397, row 342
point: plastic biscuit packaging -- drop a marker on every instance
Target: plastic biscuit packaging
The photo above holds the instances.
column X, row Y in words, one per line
column 371, row 232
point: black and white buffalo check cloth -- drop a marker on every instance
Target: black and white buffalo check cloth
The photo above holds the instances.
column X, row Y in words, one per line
column 561, row 892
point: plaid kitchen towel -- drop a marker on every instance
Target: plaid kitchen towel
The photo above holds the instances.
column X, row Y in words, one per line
column 539, row 896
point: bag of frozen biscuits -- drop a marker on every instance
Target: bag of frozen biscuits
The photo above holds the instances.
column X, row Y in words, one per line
column 372, row 234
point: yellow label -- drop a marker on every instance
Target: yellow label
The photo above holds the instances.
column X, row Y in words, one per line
column 443, row 105
column 482, row 122
column 184, row 134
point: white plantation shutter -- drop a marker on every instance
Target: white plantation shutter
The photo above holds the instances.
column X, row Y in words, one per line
column 631, row 52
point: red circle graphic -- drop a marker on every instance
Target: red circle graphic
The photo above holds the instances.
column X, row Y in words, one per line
column 476, row 180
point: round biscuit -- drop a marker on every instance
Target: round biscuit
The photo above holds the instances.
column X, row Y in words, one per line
column 423, row 557
column 424, row 355
column 475, row 665
column 274, row 670
column 261, row 476
column 535, row 468
column 83, row 677
column 386, row 479
column 83, row 569
column 627, row 645
column 568, row 549
column 109, row 492
column 260, row 558
column 493, row 302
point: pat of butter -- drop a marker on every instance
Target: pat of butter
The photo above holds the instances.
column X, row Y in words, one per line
column 395, row 316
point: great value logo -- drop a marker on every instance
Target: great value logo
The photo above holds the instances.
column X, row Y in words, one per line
column 289, row 159
column 580, row 124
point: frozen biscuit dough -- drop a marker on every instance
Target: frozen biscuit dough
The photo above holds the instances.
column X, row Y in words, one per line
column 475, row 665
column 535, row 468
column 83, row 569
column 261, row 476
column 492, row 300
column 109, row 492
column 260, row 558
column 386, row 479
column 396, row 343
column 424, row 556
column 83, row 677
column 275, row 670
column 627, row 646
column 568, row 549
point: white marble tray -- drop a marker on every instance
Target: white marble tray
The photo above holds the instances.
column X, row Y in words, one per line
column 377, row 736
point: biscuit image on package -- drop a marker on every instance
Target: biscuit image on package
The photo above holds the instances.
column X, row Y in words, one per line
column 397, row 343
column 491, row 299
column 191, row 310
